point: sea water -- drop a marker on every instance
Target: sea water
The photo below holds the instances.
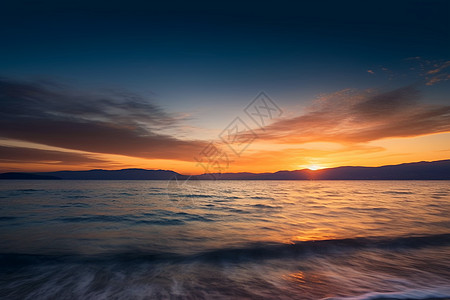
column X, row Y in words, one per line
column 224, row 240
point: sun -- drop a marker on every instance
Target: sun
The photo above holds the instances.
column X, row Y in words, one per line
column 314, row 167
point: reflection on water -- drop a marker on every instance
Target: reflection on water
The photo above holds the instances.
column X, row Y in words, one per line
column 297, row 277
column 238, row 239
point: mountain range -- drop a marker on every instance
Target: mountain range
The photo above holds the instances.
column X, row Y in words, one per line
column 435, row 170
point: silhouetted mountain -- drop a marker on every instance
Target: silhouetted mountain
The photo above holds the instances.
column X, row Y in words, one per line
column 125, row 174
column 13, row 175
column 437, row 170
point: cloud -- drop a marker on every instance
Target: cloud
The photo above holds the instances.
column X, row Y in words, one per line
column 56, row 102
column 438, row 73
column 439, row 68
column 113, row 123
column 24, row 155
column 350, row 116
column 433, row 71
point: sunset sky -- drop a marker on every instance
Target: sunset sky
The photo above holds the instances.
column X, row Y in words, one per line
column 177, row 86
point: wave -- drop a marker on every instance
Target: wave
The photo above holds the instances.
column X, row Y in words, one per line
column 411, row 294
column 157, row 217
column 121, row 218
column 252, row 252
column 266, row 206
column 322, row 247
column 8, row 218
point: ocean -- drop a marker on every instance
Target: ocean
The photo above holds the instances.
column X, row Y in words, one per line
column 224, row 239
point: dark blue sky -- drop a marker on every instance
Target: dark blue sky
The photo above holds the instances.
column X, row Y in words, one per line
column 198, row 52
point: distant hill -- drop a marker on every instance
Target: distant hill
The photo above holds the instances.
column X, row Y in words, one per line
column 436, row 170
column 125, row 174
column 13, row 175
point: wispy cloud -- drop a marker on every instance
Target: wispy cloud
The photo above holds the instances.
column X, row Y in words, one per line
column 439, row 68
column 432, row 71
column 350, row 116
column 438, row 73
column 114, row 123
column 39, row 156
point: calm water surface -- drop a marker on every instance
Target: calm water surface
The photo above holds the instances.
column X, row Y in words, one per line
column 225, row 240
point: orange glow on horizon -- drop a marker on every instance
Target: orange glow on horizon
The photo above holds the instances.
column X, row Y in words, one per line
column 260, row 157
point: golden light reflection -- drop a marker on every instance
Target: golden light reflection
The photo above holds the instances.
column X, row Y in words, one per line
column 298, row 277
column 314, row 235
column 301, row 278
